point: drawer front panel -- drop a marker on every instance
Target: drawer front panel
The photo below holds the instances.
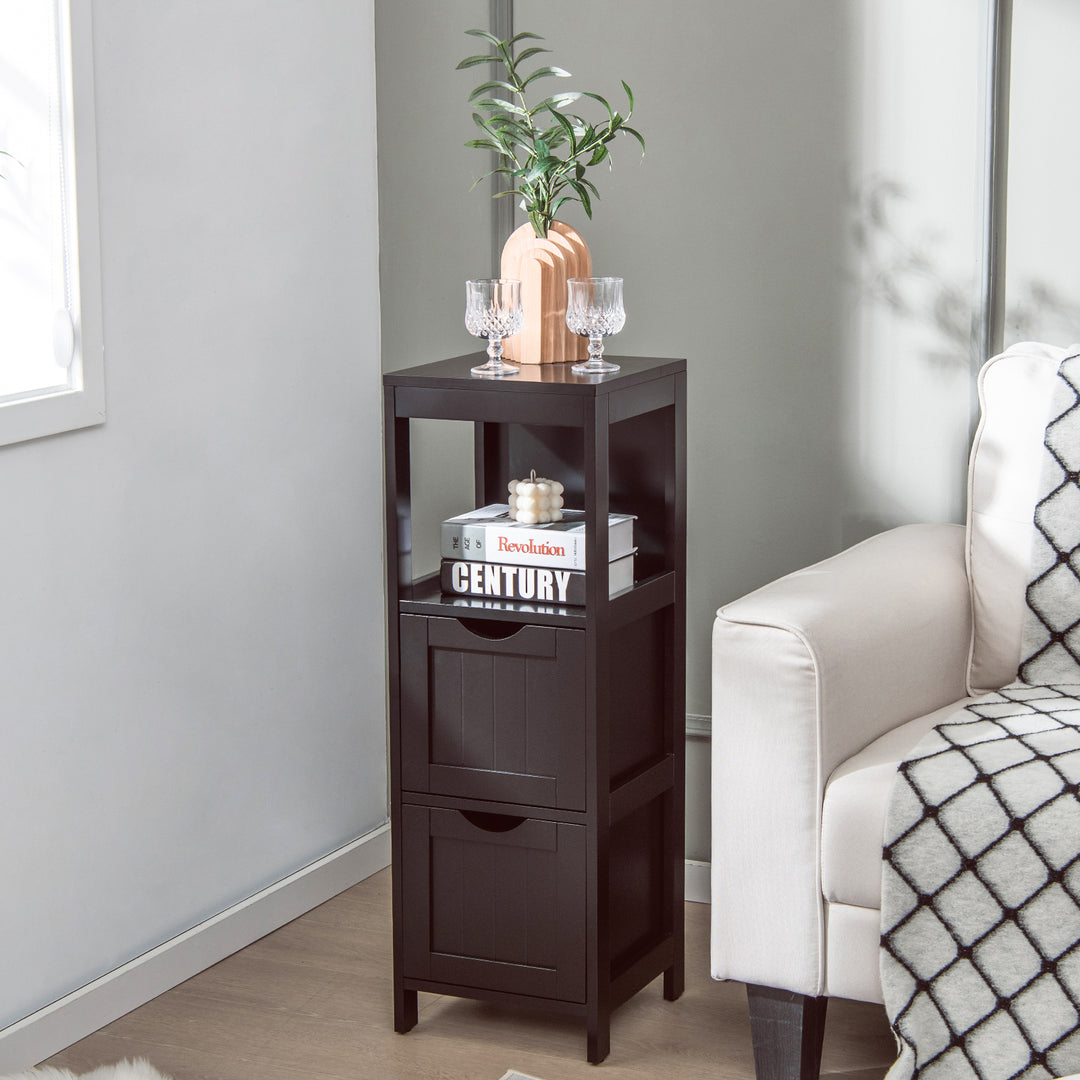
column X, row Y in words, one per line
column 498, row 718
column 495, row 902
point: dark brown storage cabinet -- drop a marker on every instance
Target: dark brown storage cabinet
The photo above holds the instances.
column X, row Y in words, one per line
column 537, row 750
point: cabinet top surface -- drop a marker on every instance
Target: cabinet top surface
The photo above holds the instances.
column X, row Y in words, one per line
column 547, row 378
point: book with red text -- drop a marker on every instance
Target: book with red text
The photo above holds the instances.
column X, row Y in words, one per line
column 538, row 584
column 491, row 535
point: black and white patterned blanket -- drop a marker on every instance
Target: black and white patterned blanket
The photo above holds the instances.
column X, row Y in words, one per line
column 980, row 957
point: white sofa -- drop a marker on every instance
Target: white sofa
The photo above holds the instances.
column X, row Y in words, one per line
column 822, row 682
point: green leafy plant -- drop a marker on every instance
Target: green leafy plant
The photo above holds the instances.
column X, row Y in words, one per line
column 545, row 149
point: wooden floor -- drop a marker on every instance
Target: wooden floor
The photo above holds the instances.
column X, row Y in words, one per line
column 313, row 1001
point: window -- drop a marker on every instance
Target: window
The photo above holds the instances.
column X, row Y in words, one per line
column 1042, row 273
column 51, row 376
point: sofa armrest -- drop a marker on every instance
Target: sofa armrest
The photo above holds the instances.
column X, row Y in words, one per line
column 806, row 672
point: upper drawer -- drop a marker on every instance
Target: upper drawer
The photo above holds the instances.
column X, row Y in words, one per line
column 493, row 717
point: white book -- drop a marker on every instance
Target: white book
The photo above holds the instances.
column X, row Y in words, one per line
column 491, row 535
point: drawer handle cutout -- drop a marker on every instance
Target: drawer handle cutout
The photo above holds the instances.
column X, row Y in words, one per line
column 495, row 823
column 491, row 629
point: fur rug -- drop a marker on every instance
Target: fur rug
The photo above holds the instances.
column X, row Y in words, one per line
column 139, row 1069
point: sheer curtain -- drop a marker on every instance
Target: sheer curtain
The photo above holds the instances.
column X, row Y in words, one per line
column 38, row 247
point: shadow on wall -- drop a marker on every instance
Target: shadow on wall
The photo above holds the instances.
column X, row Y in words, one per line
column 902, row 271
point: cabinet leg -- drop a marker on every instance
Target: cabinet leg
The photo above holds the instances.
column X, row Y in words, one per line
column 599, row 1041
column 405, row 1010
column 674, row 982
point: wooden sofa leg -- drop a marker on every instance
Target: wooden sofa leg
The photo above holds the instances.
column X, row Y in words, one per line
column 787, row 1030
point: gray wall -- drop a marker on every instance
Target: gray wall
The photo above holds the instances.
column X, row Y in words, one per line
column 191, row 647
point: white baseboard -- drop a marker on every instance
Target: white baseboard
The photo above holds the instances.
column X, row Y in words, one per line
column 697, row 884
column 44, row 1033
column 698, row 727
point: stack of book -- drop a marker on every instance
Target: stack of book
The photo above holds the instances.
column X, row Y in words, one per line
column 485, row 553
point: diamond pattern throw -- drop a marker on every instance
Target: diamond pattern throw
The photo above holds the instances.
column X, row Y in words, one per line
column 980, row 957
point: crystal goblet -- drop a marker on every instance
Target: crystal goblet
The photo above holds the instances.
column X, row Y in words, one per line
column 493, row 311
column 594, row 309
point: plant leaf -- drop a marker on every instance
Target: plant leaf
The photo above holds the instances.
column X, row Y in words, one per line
column 499, row 105
column 554, row 136
column 492, row 172
column 568, row 128
column 559, row 202
column 546, row 72
column 597, row 97
column 485, row 35
column 637, row 135
column 489, row 126
column 599, row 154
column 506, row 129
column 523, row 36
column 485, row 144
column 558, row 101
column 539, row 168
column 583, row 195
column 505, row 56
column 474, row 61
column 629, row 95
column 526, row 53
column 495, row 84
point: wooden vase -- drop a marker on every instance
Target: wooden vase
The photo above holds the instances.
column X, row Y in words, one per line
column 543, row 266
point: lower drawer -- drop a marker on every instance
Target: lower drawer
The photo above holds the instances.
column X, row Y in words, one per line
column 494, row 901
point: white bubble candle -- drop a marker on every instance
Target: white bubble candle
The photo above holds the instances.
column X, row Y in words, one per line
column 535, row 501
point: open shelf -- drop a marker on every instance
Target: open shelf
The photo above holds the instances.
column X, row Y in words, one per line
column 425, row 597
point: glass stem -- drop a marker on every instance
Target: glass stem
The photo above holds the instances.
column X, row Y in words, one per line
column 596, row 347
column 494, row 349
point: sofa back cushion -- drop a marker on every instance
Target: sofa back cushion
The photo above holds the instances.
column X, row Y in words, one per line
column 1007, row 456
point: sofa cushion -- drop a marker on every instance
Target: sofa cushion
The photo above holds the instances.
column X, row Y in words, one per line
column 1015, row 390
column 853, row 812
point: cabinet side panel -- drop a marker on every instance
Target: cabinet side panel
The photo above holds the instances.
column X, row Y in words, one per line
column 639, row 469
column 637, row 883
column 640, row 705
column 570, row 719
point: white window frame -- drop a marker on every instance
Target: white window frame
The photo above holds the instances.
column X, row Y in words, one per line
column 82, row 402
